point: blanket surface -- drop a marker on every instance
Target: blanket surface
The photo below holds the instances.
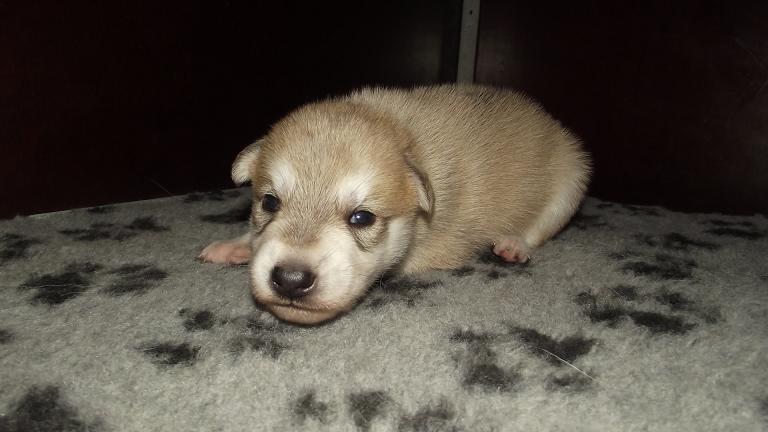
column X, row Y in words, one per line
column 633, row 318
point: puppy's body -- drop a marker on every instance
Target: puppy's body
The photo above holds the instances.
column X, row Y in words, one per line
column 446, row 171
column 499, row 167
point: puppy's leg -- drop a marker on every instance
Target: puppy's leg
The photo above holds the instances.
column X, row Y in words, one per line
column 562, row 205
column 512, row 249
column 235, row 251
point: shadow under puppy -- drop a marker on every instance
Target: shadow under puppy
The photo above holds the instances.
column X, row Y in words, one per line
column 405, row 180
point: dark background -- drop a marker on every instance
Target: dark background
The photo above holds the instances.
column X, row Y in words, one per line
column 112, row 101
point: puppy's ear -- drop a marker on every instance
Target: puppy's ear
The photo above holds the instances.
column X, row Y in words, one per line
column 241, row 168
column 423, row 187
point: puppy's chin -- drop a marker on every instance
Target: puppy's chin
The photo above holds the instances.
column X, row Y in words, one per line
column 302, row 316
column 312, row 309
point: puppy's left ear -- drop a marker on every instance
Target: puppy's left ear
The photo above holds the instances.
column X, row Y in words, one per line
column 241, row 168
column 423, row 187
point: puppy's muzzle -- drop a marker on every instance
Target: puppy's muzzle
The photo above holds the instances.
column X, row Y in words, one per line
column 292, row 280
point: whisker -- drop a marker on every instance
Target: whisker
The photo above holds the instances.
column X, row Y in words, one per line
column 569, row 364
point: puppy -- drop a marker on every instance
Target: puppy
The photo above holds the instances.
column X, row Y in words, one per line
column 398, row 180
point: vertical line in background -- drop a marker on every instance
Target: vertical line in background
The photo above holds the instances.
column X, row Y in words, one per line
column 470, row 17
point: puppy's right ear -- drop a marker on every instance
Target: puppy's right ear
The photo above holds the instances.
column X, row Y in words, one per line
column 423, row 186
column 241, row 168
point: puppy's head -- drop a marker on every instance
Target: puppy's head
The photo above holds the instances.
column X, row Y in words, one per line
column 335, row 199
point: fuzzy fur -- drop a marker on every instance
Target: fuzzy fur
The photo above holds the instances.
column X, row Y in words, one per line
column 447, row 170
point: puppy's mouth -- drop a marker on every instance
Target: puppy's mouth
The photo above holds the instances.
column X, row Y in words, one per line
column 300, row 313
column 293, row 304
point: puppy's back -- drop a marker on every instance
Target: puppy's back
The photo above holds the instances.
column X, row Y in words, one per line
column 495, row 160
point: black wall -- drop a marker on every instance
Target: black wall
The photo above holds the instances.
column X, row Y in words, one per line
column 112, row 101
column 671, row 97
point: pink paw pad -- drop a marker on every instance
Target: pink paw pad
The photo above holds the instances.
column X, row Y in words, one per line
column 226, row 252
column 512, row 250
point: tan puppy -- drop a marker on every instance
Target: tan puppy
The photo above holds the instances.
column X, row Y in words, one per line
column 404, row 180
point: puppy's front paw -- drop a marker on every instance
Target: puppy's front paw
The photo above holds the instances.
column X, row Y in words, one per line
column 512, row 249
column 226, row 252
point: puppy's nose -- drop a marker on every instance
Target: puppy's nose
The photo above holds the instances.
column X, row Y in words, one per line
column 292, row 281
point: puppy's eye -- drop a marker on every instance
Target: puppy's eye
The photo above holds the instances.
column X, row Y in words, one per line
column 270, row 203
column 362, row 218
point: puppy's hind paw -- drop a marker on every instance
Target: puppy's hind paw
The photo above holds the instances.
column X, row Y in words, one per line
column 226, row 252
column 512, row 249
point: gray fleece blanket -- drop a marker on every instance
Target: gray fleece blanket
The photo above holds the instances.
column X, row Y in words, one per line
column 632, row 319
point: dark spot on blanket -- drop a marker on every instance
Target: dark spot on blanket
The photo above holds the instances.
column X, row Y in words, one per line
column 479, row 363
column 15, row 246
column 365, row 407
column 267, row 345
column 599, row 313
column 232, row 216
column 469, row 336
column 56, row 288
column 129, row 269
column 502, row 268
column 135, row 279
column 675, row 241
column 433, row 418
column 675, row 301
column 569, row 348
column 95, row 232
column 200, row 320
column 625, row 292
column 100, row 210
column 493, row 274
column 623, row 255
column 169, row 354
column 401, row 289
column 216, row 195
column 463, row 271
column 710, row 315
column 479, row 353
column 85, row 267
column 263, row 336
column 43, row 409
column 658, row 323
column 308, row 407
column 261, row 325
column 104, row 231
column 6, row 337
column 486, row 256
column 661, row 267
column 585, row 299
column 641, row 210
column 490, row 377
column 748, row 234
column 147, row 223
column 609, row 315
column 198, row 196
column 375, row 303
column 604, row 205
column 655, row 322
column 678, row 241
column 720, row 222
column 762, row 408
column 570, row 383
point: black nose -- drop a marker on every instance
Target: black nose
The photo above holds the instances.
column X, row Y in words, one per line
column 292, row 281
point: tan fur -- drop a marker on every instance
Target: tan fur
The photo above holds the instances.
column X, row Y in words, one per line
column 452, row 169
